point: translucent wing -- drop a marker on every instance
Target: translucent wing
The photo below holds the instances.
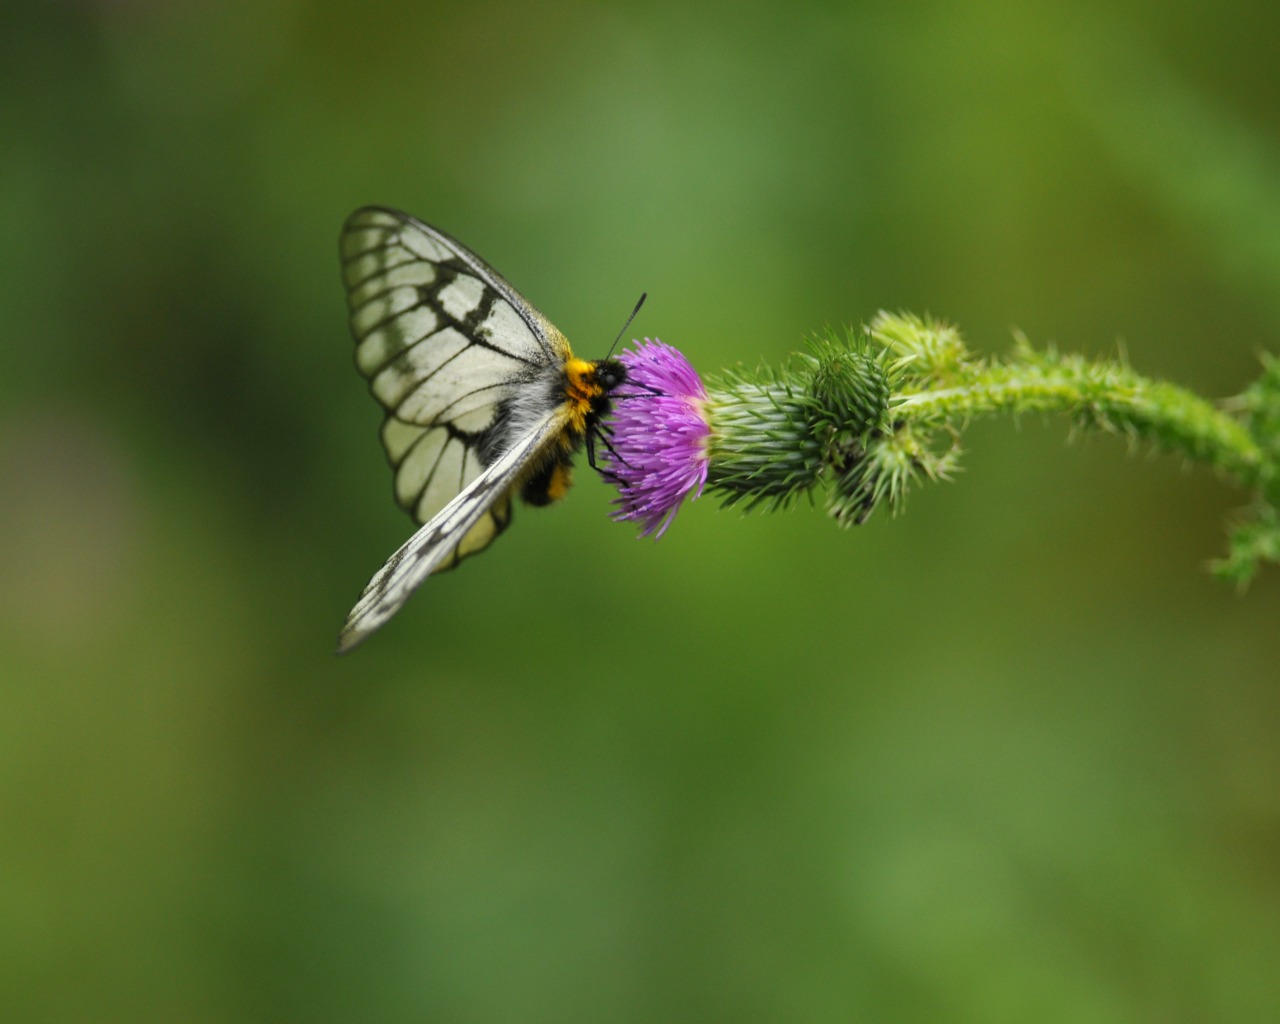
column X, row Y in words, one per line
column 444, row 342
column 466, row 516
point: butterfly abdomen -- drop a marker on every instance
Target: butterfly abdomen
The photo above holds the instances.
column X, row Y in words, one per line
column 551, row 483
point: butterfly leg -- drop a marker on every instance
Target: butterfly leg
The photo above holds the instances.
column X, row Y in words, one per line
column 602, row 431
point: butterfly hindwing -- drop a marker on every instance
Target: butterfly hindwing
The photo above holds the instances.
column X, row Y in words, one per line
column 444, row 341
column 476, row 514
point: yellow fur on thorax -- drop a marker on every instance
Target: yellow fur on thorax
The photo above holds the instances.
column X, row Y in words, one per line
column 582, row 390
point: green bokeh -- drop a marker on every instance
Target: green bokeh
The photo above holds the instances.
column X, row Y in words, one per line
column 1012, row 757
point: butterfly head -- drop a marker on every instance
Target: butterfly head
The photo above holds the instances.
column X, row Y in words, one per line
column 610, row 374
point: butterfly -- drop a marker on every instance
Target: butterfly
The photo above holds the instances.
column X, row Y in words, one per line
column 484, row 397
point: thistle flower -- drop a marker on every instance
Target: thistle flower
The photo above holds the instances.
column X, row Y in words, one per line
column 657, row 451
column 758, row 439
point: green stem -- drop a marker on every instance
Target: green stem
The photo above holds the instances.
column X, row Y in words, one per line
column 1106, row 396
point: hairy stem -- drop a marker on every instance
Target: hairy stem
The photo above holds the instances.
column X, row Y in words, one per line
column 1107, row 397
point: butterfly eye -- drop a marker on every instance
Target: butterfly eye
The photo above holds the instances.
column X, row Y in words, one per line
column 612, row 374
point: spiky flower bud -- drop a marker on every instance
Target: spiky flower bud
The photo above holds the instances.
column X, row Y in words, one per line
column 934, row 350
column 763, row 447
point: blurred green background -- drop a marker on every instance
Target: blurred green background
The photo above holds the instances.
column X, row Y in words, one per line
column 1012, row 757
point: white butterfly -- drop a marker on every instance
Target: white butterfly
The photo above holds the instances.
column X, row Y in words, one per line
column 484, row 397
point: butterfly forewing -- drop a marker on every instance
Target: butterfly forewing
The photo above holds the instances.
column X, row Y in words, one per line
column 443, row 340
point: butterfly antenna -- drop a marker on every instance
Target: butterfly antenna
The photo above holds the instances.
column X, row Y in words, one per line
column 643, row 296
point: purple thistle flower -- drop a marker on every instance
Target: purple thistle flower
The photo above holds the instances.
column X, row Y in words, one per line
column 657, row 452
